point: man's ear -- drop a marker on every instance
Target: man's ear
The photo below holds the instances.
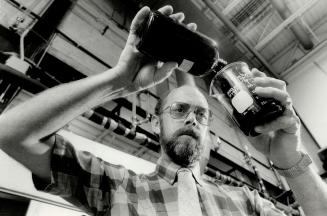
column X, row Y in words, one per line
column 155, row 124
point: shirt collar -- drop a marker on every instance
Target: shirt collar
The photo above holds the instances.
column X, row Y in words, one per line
column 168, row 170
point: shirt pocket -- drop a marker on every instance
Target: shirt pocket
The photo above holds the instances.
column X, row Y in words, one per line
column 124, row 204
column 159, row 202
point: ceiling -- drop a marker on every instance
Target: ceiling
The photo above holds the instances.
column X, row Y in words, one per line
column 263, row 35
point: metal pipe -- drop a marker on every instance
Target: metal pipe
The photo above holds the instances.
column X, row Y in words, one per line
column 296, row 27
column 305, row 58
column 120, row 129
column 22, row 37
column 231, row 6
column 237, row 33
column 21, row 43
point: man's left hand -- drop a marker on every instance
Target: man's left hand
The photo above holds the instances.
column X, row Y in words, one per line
column 280, row 138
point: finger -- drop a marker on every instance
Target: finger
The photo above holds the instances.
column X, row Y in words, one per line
column 256, row 73
column 271, row 92
column 285, row 123
column 192, row 26
column 179, row 17
column 164, row 72
column 139, row 18
column 269, row 82
column 166, row 10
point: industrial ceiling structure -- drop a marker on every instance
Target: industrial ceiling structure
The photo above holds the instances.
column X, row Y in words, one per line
column 265, row 31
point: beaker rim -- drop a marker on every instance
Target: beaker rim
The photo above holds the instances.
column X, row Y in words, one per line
column 230, row 65
column 223, row 69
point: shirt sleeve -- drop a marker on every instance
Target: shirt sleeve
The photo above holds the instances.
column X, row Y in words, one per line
column 81, row 178
column 260, row 205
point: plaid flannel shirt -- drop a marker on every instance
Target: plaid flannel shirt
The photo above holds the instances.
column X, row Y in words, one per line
column 102, row 188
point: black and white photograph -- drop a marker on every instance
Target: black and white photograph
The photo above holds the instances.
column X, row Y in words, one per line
column 163, row 107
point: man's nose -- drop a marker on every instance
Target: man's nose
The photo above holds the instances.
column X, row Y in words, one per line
column 191, row 119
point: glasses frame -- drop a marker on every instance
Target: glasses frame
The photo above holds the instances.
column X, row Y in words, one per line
column 192, row 109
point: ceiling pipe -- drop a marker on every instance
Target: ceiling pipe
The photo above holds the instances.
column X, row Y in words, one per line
column 29, row 27
column 296, row 27
column 237, row 33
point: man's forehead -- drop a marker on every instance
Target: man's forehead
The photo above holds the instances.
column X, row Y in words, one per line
column 188, row 94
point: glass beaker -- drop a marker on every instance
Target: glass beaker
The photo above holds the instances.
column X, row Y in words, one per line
column 233, row 87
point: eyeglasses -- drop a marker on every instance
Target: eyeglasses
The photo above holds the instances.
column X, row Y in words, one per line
column 180, row 110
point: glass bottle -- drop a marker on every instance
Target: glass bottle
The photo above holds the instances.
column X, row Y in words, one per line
column 164, row 39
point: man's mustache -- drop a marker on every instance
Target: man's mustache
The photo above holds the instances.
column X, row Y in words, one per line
column 187, row 131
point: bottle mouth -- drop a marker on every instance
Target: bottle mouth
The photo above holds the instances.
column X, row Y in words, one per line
column 221, row 70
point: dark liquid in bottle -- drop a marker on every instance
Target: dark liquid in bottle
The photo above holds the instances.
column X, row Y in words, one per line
column 262, row 111
column 269, row 112
column 164, row 39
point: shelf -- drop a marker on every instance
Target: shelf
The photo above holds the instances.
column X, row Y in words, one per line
column 21, row 79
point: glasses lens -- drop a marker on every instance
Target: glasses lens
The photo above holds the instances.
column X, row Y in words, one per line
column 179, row 110
column 202, row 115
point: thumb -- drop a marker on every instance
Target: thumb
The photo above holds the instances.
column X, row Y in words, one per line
column 164, row 72
column 139, row 18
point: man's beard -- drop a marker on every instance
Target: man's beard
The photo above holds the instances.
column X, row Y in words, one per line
column 184, row 147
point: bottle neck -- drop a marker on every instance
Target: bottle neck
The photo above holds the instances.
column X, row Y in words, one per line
column 221, row 63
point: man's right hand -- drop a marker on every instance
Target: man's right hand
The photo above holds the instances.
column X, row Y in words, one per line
column 135, row 71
